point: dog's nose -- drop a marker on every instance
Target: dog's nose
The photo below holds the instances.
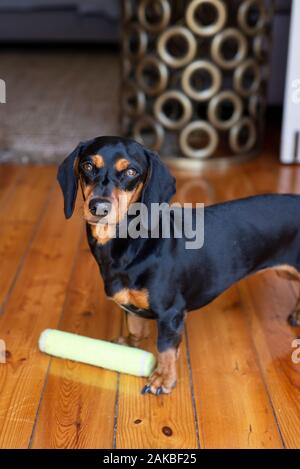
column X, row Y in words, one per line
column 100, row 207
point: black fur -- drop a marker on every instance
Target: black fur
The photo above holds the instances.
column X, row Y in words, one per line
column 241, row 238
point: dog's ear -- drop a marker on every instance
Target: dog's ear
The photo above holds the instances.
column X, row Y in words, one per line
column 68, row 180
column 160, row 185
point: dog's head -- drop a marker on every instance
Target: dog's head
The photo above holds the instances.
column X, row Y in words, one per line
column 113, row 173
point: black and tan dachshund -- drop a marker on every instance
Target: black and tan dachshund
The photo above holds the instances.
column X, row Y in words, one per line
column 159, row 278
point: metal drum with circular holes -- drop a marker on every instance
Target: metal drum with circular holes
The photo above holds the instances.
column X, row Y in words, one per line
column 194, row 75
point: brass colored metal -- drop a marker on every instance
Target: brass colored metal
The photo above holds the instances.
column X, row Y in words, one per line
column 133, row 100
column 159, row 68
column 148, row 124
column 127, row 10
column 244, row 124
column 193, row 78
column 202, row 29
column 184, row 104
column 205, row 128
column 218, row 43
column 163, row 20
column 261, row 46
column 215, row 105
column 126, row 68
column 243, row 13
column 171, row 33
column 249, row 65
column 207, row 93
column 134, row 32
column 257, row 106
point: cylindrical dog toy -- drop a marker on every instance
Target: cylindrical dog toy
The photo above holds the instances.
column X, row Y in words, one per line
column 97, row 352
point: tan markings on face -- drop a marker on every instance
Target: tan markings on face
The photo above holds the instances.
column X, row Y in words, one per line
column 138, row 298
column 98, row 161
column 87, row 191
column 122, row 200
column 103, row 232
column 121, row 164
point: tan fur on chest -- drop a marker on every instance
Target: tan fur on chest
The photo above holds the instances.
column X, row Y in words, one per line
column 137, row 298
column 103, row 233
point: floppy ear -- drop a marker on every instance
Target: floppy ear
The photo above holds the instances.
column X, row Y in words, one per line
column 160, row 185
column 68, row 180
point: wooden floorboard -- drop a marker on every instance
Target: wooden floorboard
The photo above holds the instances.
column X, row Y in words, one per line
column 237, row 386
column 270, row 299
column 78, row 403
column 233, row 407
column 35, row 304
column 19, row 220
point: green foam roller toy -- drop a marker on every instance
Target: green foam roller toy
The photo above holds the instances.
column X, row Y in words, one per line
column 96, row 352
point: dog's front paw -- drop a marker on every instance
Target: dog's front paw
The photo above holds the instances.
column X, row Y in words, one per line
column 160, row 382
column 294, row 319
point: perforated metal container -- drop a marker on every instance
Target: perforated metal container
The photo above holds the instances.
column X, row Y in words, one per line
column 194, row 77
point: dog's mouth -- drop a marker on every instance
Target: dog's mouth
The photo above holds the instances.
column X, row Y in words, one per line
column 99, row 220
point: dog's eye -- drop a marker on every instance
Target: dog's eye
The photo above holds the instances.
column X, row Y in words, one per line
column 131, row 172
column 87, row 167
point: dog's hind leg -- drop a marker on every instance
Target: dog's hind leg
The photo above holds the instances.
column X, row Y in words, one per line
column 291, row 273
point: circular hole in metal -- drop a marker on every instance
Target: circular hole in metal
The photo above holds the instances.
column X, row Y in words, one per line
column 173, row 109
column 225, row 110
column 177, row 46
column 253, row 16
column 206, row 17
column 198, row 139
column 261, row 47
column 148, row 136
column 242, row 136
column 229, row 48
column 152, row 75
column 133, row 100
column 134, row 42
column 148, row 132
column 248, row 79
column 153, row 12
column 206, row 14
column 154, row 15
column 201, row 80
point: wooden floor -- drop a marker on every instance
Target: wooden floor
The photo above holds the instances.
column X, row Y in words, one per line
column 237, row 387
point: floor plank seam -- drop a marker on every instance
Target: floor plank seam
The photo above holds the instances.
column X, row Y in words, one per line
column 39, row 405
column 27, row 250
column 253, row 186
column 114, row 444
column 192, row 387
column 261, row 370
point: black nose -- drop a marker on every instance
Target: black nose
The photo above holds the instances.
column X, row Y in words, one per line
column 99, row 207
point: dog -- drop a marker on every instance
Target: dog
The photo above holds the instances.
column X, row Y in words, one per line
column 159, row 278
